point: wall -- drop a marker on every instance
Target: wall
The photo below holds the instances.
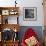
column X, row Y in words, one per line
column 7, row 3
column 27, row 3
column 37, row 29
column 38, row 5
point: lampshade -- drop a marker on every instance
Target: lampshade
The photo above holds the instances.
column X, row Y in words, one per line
column 15, row 30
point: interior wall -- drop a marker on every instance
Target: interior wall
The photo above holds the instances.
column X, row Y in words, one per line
column 37, row 29
column 39, row 6
column 26, row 3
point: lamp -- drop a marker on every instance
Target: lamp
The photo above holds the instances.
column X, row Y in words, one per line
column 15, row 37
column 15, row 30
column 15, row 3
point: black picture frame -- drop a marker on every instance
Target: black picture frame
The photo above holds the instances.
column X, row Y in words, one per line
column 30, row 13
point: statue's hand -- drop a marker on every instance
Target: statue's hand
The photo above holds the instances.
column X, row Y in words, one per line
column 31, row 41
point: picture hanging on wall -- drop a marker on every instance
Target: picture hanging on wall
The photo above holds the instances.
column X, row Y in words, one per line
column 30, row 13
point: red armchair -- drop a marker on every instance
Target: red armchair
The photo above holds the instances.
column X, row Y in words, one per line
column 28, row 34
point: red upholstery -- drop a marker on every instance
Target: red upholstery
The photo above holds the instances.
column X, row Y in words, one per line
column 29, row 33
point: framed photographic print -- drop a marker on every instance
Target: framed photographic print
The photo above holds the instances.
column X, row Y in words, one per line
column 13, row 12
column 5, row 12
column 30, row 13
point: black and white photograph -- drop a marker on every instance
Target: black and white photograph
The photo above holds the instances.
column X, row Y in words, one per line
column 30, row 13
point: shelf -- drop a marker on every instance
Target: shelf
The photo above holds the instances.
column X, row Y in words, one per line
column 10, row 19
column 11, row 41
column 9, row 22
column 9, row 10
column 10, row 26
column 6, row 12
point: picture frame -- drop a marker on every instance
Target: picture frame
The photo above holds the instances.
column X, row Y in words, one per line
column 5, row 12
column 13, row 12
column 30, row 13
